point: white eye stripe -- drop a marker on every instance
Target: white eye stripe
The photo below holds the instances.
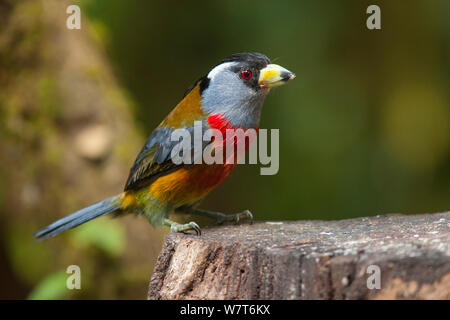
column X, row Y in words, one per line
column 220, row 68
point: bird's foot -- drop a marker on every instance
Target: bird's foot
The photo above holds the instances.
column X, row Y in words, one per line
column 220, row 217
column 177, row 227
column 237, row 217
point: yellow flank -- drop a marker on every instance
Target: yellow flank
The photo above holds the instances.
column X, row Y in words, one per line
column 187, row 111
column 127, row 200
column 188, row 185
column 174, row 188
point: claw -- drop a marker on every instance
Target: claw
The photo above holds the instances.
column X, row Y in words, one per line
column 249, row 215
column 175, row 227
column 196, row 227
column 244, row 214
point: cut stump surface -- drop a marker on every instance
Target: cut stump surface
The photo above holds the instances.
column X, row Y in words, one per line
column 383, row 257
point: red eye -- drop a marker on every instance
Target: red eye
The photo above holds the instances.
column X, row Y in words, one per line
column 246, row 74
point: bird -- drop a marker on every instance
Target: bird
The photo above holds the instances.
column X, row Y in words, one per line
column 229, row 96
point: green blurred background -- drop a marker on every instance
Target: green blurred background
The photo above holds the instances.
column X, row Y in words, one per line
column 364, row 128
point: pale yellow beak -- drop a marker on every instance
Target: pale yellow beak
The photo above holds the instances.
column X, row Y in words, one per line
column 274, row 76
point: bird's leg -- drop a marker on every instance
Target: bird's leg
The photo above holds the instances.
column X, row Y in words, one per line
column 177, row 227
column 219, row 217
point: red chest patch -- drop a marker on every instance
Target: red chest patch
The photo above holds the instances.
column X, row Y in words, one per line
column 219, row 122
column 239, row 139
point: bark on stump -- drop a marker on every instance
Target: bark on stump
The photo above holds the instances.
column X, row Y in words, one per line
column 309, row 260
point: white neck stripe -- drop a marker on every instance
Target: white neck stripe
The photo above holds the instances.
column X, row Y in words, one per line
column 219, row 68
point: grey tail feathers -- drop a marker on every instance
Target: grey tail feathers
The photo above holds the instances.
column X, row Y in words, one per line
column 79, row 217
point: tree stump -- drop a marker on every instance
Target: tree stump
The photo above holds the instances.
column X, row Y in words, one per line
column 384, row 257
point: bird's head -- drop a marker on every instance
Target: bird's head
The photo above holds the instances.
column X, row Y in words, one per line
column 236, row 87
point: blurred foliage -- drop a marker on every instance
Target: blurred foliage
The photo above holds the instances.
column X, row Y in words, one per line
column 106, row 235
column 58, row 93
column 51, row 287
column 364, row 128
